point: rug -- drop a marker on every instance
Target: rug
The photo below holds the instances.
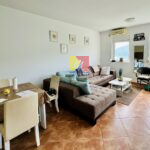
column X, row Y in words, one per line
column 128, row 96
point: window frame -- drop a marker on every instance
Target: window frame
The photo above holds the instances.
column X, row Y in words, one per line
column 120, row 38
column 115, row 51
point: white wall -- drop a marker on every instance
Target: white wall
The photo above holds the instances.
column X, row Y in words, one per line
column 27, row 53
column 127, row 67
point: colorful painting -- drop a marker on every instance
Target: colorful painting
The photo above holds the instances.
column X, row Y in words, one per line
column 79, row 64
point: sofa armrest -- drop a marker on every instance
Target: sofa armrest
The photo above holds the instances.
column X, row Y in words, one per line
column 113, row 72
column 70, row 90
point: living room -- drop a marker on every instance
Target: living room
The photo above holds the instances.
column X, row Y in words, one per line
column 41, row 40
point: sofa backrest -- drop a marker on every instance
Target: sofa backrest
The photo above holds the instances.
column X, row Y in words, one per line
column 144, row 70
column 64, row 89
column 91, row 72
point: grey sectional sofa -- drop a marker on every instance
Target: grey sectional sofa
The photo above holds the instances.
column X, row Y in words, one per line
column 88, row 106
column 97, row 79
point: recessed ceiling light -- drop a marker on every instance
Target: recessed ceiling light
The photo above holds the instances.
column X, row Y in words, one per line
column 129, row 20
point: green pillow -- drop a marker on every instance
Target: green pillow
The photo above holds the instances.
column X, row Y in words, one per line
column 84, row 86
column 65, row 79
column 82, row 79
column 62, row 73
column 71, row 76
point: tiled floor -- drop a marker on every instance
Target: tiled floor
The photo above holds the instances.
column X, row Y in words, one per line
column 120, row 128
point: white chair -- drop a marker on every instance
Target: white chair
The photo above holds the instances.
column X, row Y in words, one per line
column 20, row 115
column 54, row 84
column 4, row 83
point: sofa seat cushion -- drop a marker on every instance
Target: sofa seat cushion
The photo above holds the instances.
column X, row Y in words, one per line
column 100, row 79
column 108, row 94
column 96, row 102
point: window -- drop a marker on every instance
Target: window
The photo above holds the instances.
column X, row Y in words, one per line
column 121, row 50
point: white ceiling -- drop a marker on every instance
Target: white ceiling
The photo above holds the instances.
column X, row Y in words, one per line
column 95, row 14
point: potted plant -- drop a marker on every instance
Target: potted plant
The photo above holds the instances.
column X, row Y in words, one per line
column 120, row 74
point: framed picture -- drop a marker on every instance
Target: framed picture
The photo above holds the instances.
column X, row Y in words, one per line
column 53, row 36
column 139, row 37
column 72, row 39
column 86, row 40
column 63, row 48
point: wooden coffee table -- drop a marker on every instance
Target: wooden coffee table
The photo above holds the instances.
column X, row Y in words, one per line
column 121, row 86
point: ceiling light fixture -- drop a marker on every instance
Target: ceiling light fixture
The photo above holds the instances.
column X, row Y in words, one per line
column 130, row 20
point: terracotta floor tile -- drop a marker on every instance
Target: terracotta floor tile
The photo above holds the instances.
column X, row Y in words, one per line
column 139, row 142
column 134, row 111
column 147, row 121
column 136, row 126
column 121, row 127
column 93, row 144
column 112, row 128
column 70, row 145
column 126, row 113
column 89, row 132
column 54, row 146
column 63, row 130
column 117, row 144
column 112, row 113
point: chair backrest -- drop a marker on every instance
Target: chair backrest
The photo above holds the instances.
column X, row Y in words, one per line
column 144, row 70
column 20, row 115
column 55, row 82
column 4, row 83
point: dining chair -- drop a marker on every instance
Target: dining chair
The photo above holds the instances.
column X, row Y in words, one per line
column 20, row 115
column 4, row 83
column 54, row 85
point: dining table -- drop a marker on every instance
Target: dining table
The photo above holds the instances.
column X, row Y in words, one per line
column 21, row 88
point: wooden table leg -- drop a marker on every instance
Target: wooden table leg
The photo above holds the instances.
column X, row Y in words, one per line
column 0, row 141
column 42, row 112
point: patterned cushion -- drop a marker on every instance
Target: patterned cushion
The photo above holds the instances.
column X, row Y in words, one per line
column 90, row 72
column 96, row 73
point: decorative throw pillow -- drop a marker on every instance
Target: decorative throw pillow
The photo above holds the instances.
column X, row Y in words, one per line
column 62, row 73
column 71, row 76
column 91, row 74
column 84, row 86
column 79, row 72
column 105, row 71
column 96, row 70
column 82, row 79
column 65, row 79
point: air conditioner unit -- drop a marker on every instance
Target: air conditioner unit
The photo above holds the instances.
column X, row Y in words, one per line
column 119, row 31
